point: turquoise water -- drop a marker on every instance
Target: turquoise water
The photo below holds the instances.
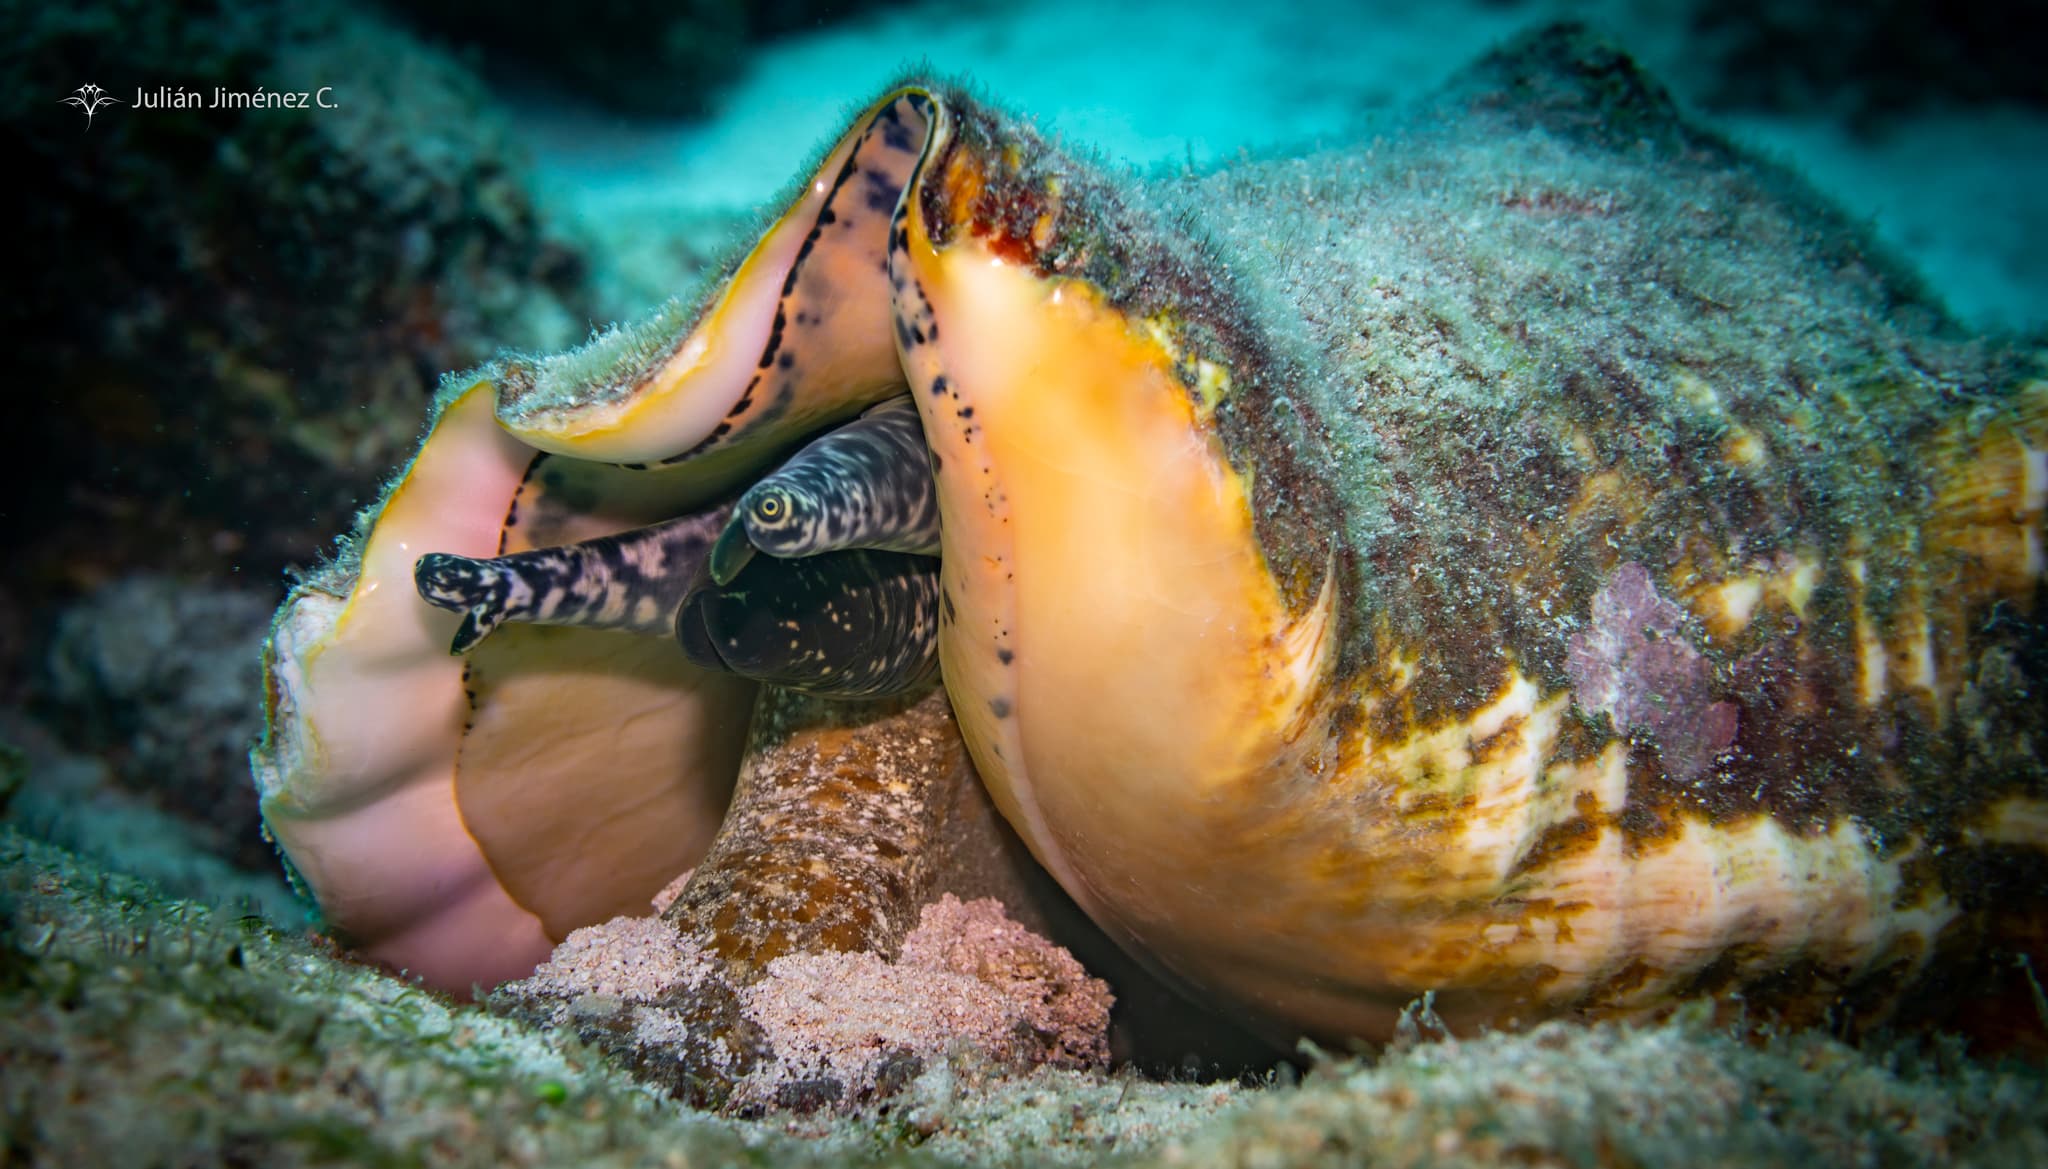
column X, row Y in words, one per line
column 1161, row 82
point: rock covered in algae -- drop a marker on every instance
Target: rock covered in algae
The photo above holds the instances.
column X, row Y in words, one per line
column 77, row 802
column 162, row 676
column 238, row 312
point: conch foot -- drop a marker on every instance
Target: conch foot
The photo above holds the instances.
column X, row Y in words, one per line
column 832, row 840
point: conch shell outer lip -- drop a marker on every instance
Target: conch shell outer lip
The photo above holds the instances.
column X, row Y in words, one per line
column 444, row 811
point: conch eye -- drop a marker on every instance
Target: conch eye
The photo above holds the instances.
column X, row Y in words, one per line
column 770, row 507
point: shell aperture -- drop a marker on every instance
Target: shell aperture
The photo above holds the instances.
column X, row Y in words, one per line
column 442, row 809
column 853, row 623
column 866, row 484
column 845, row 625
column 634, row 581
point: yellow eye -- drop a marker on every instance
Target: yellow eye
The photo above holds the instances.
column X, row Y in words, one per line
column 769, row 508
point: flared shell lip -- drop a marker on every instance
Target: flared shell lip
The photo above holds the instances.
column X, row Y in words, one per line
column 671, row 408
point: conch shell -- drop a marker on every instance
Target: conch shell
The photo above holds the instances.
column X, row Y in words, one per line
column 1544, row 557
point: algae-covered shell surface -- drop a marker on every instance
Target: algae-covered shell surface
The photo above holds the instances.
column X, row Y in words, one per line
column 1542, row 556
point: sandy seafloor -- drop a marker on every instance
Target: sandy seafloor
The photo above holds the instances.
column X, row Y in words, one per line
column 1960, row 192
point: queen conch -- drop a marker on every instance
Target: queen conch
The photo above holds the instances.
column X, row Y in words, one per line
column 1542, row 557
